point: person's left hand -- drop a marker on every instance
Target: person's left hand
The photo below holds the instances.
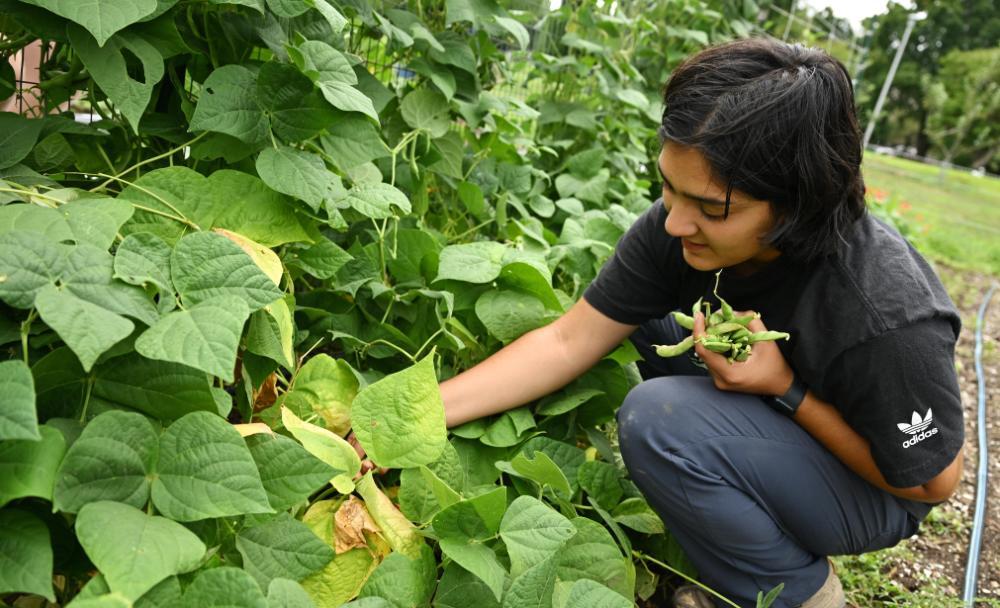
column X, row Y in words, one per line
column 765, row 372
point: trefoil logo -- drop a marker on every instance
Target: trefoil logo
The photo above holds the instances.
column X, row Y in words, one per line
column 918, row 428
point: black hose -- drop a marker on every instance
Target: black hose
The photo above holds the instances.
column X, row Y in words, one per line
column 976, row 541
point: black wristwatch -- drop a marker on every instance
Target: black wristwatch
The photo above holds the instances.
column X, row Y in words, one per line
column 789, row 403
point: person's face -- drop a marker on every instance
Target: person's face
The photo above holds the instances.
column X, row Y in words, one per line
column 695, row 205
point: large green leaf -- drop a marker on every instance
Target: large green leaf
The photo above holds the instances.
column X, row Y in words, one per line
column 135, row 551
column 533, row 533
column 321, row 260
column 588, row 593
column 297, row 173
column 543, row 471
column 107, row 66
column 224, row 587
column 144, row 258
column 271, row 333
column 18, row 419
column 353, row 140
column 472, row 262
column 404, row 581
column 102, row 18
column 341, row 579
column 285, row 593
column 463, row 529
column 509, row 314
column 296, row 110
column 603, row 481
column 282, row 548
column 111, row 460
column 205, row 470
column 228, row 104
column 89, row 275
column 17, row 138
column 28, row 467
column 399, row 420
column 324, row 386
column 288, row 472
column 161, row 389
column 86, row 328
column 247, row 206
column 28, row 263
column 206, row 265
column 332, row 73
column 638, row 515
column 428, row 110
column 417, row 498
column 533, row 588
column 25, row 555
column 31, row 218
column 96, row 220
column 592, row 554
column 205, row 336
column 459, row 588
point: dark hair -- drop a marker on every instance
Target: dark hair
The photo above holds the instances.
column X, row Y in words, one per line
column 776, row 121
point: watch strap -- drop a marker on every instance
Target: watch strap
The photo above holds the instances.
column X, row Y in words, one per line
column 789, row 403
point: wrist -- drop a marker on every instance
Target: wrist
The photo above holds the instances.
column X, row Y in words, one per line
column 789, row 401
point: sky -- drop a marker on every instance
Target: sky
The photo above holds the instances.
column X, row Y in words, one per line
column 852, row 10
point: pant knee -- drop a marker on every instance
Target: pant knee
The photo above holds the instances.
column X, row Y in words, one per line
column 657, row 412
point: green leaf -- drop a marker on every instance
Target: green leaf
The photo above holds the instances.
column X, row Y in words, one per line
column 205, row 470
column 592, row 554
column 509, row 314
column 508, row 429
column 297, row 173
column 18, row 419
column 332, row 73
column 324, row 386
column 288, row 8
column 543, row 471
column 102, row 18
column 603, row 481
column 271, row 333
column 472, row 262
column 296, row 110
column 462, row 530
column 111, row 460
column 96, row 220
column 427, row 110
column 418, row 499
column 282, row 548
column 206, row 265
column 586, row 592
column 86, row 328
column 328, row 447
column 135, row 551
column 166, row 593
column 375, row 200
column 288, row 472
column 341, row 579
column 89, row 275
column 285, row 593
column 401, row 535
column 533, row 533
column 262, row 214
column 567, row 402
column 533, row 587
column 27, row 264
column 404, row 581
column 459, row 588
column 228, row 104
column 334, row 19
column 105, row 61
column 321, row 260
column 224, row 587
column 17, row 138
column 637, row 514
column 205, row 336
column 28, row 467
column 161, row 389
column 25, row 555
column 52, row 153
column 353, row 140
column 399, row 420
column 32, row 218
column 567, row 456
column 144, row 258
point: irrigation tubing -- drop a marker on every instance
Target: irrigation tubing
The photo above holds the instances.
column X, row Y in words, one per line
column 976, row 541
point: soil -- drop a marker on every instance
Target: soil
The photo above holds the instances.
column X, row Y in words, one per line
column 941, row 552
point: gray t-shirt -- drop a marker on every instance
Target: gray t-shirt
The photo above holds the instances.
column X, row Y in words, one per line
column 873, row 331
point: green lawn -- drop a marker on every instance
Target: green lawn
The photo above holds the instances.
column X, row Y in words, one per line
column 957, row 217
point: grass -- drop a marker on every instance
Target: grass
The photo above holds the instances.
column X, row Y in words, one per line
column 957, row 215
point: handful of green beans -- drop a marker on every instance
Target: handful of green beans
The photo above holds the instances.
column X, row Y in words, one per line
column 724, row 331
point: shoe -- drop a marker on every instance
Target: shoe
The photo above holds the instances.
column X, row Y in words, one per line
column 831, row 594
column 691, row 596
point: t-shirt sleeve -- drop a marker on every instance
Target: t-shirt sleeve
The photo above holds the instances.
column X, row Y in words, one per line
column 636, row 283
column 900, row 392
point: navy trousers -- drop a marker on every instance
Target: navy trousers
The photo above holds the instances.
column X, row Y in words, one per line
column 752, row 498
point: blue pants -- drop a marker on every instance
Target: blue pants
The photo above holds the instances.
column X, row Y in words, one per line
column 752, row 498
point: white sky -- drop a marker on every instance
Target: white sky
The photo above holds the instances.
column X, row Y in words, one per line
column 852, row 10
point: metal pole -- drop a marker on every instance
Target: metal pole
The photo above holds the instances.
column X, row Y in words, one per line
column 788, row 23
column 888, row 81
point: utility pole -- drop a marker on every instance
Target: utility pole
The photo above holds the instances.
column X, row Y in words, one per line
column 913, row 18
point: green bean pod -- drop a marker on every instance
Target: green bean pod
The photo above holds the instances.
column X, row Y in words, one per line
column 716, row 346
column 683, row 320
column 768, row 335
column 724, row 328
column 717, row 318
column 743, row 356
column 740, row 334
column 745, row 319
column 696, row 307
column 675, row 349
column 727, row 310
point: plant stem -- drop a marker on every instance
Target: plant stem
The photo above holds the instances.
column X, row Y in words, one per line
column 25, row 330
column 86, row 400
column 153, row 159
column 644, row 556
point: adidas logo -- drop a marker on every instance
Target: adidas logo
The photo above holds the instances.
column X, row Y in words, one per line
column 918, row 428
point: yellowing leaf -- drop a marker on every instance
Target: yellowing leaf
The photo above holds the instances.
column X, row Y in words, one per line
column 265, row 259
column 401, row 534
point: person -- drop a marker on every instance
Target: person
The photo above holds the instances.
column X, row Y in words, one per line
column 839, row 440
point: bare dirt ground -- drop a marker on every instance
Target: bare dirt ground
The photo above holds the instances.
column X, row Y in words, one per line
column 932, row 563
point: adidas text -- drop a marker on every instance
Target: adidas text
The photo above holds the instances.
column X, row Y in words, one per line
column 918, row 438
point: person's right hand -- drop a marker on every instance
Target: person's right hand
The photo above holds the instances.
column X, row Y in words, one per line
column 366, row 464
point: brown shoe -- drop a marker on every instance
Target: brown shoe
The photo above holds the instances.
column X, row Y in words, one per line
column 692, row 596
column 831, row 594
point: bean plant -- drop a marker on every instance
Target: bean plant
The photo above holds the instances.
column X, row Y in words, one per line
column 233, row 230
